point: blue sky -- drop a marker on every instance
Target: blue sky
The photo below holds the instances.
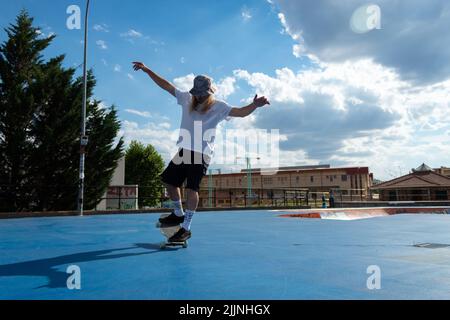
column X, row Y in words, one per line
column 379, row 99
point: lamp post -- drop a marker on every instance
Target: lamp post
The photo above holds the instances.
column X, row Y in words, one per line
column 83, row 138
column 249, row 173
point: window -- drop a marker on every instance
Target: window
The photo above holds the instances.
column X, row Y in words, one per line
column 312, row 179
column 267, row 180
column 344, row 177
column 392, row 196
column 441, row 195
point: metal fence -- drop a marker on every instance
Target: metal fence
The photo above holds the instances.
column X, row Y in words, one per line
column 134, row 198
column 290, row 197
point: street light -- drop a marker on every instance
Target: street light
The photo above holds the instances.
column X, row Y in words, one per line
column 249, row 173
column 83, row 138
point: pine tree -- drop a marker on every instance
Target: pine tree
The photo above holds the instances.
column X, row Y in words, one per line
column 48, row 115
column 20, row 62
column 143, row 165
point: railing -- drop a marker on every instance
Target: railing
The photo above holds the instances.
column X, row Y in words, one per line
column 138, row 198
column 235, row 198
column 277, row 197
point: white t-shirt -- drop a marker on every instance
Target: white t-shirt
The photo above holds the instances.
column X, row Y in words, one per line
column 198, row 130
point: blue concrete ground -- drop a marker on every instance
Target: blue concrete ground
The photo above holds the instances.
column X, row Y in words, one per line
column 232, row 255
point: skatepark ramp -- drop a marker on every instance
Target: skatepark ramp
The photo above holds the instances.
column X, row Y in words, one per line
column 361, row 213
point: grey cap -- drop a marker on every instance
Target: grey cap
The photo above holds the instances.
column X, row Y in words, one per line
column 202, row 86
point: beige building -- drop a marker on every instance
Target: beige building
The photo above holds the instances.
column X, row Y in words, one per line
column 443, row 171
column 422, row 184
column 118, row 195
column 287, row 184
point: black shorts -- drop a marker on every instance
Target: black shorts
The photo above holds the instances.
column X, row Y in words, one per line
column 186, row 165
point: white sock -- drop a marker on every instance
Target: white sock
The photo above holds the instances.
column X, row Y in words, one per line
column 178, row 208
column 188, row 220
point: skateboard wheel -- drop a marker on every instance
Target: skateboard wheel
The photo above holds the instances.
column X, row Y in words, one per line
column 185, row 245
column 158, row 225
column 162, row 246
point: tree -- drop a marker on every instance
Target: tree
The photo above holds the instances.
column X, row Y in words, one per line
column 40, row 117
column 143, row 165
column 20, row 62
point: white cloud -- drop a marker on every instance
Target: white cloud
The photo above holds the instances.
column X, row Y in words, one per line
column 151, row 133
column 226, row 87
column 144, row 114
column 47, row 33
column 298, row 50
column 101, row 27
column 157, row 118
column 132, row 34
column 102, row 44
column 102, row 105
column 130, row 76
column 409, row 28
column 353, row 113
column 280, row 89
column 117, row 68
column 246, row 14
column 184, row 83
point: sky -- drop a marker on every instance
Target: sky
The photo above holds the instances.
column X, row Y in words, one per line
column 339, row 95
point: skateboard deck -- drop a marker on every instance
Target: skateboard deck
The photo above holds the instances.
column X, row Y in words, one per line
column 168, row 232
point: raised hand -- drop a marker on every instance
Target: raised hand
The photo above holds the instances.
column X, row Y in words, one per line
column 260, row 102
column 138, row 66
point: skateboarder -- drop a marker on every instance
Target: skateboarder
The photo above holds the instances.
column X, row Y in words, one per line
column 201, row 112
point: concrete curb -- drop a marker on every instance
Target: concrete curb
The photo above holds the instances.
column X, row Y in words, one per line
column 23, row 215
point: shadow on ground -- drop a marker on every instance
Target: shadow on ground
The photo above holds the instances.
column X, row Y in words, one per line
column 57, row 279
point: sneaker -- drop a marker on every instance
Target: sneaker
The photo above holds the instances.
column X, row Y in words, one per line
column 181, row 236
column 172, row 220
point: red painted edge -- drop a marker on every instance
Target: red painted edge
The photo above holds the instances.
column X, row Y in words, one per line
column 370, row 211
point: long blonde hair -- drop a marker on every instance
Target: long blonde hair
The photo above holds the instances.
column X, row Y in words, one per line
column 207, row 104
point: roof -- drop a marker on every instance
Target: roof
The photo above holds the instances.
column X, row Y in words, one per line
column 347, row 170
column 291, row 168
column 416, row 179
column 422, row 168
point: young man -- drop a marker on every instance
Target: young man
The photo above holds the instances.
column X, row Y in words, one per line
column 201, row 113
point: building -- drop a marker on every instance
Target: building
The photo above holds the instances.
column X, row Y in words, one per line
column 422, row 184
column 287, row 183
column 444, row 171
column 118, row 195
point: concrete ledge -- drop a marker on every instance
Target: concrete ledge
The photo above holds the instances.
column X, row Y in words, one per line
column 22, row 215
column 364, row 204
column 372, row 204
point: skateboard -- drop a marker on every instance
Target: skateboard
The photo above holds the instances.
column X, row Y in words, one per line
column 168, row 232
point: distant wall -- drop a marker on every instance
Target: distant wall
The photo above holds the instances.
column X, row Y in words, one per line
column 118, row 179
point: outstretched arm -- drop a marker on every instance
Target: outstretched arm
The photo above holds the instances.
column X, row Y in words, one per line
column 248, row 110
column 161, row 82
